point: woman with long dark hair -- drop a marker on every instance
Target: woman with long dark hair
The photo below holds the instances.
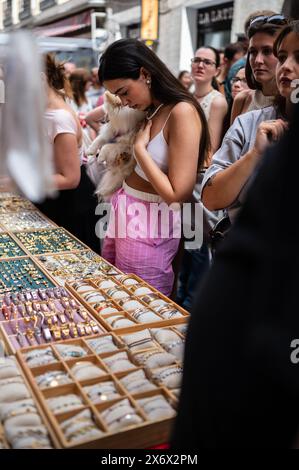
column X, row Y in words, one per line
column 169, row 148
column 260, row 65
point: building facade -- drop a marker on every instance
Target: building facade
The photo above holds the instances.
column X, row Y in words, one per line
column 184, row 25
column 64, row 18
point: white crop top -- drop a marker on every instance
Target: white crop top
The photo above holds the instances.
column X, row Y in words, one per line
column 158, row 150
column 61, row 121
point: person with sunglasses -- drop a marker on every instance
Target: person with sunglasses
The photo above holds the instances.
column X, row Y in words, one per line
column 234, row 166
column 260, row 65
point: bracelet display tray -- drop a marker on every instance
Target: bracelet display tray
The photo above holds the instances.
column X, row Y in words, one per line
column 96, row 308
column 146, row 434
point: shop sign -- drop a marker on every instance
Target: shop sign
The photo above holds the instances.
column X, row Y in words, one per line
column 215, row 15
column 149, row 20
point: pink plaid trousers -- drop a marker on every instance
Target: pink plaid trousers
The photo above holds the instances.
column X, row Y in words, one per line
column 139, row 252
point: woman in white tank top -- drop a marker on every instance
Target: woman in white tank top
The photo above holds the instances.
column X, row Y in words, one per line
column 205, row 68
column 168, row 149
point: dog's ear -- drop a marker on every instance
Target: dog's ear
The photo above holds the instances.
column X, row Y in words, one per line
column 111, row 99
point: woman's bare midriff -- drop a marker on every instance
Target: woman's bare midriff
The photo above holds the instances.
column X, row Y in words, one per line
column 136, row 182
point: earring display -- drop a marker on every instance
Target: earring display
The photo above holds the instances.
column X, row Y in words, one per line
column 22, row 425
column 21, row 274
column 49, row 241
column 9, row 248
column 72, row 266
column 42, row 316
column 15, row 204
column 31, row 220
column 90, row 392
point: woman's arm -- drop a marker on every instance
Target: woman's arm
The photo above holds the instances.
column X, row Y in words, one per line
column 218, row 112
column 95, row 117
column 184, row 130
column 67, row 161
column 223, row 188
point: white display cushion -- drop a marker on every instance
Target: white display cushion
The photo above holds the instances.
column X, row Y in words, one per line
column 85, row 370
column 102, row 344
column 64, row 403
column 156, row 408
column 139, row 340
column 137, row 382
column 120, row 416
column 118, row 362
column 154, row 358
column 169, row 377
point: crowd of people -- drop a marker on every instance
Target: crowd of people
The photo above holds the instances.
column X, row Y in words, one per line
column 202, row 141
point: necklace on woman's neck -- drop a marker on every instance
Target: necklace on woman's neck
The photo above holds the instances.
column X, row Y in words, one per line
column 199, row 97
column 149, row 117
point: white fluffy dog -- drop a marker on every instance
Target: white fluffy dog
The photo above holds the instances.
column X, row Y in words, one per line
column 114, row 144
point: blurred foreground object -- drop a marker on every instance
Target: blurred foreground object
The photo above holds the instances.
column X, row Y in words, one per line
column 241, row 382
column 25, row 155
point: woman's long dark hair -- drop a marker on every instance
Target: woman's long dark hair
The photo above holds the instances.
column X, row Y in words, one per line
column 125, row 58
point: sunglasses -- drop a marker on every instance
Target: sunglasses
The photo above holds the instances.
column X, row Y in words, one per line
column 274, row 19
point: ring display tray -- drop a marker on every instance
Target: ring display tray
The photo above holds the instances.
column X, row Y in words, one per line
column 43, row 316
column 15, row 204
column 26, row 220
column 9, row 248
column 19, row 274
column 71, row 266
column 53, row 240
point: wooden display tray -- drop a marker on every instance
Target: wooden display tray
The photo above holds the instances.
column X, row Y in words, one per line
column 63, row 280
column 37, row 265
column 11, row 349
column 146, row 434
column 3, row 440
column 42, row 415
column 30, row 207
column 11, row 235
column 52, row 224
column 137, row 326
column 74, row 250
